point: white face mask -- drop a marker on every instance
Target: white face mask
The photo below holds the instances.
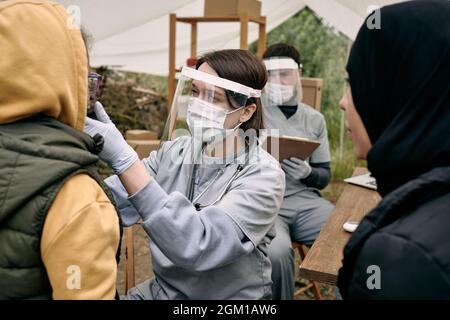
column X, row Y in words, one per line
column 279, row 94
column 202, row 115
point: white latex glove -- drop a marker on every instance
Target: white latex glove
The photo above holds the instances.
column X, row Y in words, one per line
column 296, row 168
column 116, row 151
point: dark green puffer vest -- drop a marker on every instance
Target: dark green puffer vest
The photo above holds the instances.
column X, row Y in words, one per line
column 37, row 156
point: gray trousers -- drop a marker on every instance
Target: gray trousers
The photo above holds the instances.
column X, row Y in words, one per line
column 147, row 290
column 300, row 220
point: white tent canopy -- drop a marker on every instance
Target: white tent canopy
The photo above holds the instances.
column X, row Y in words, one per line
column 133, row 35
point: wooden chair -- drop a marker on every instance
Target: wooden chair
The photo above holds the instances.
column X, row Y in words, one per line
column 143, row 141
column 312, row 284
column 312, row 92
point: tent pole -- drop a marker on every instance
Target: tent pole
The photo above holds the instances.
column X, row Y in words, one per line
column 342, row 129
column 172, row 58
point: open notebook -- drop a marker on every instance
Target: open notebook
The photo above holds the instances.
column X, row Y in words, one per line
column 364, row 180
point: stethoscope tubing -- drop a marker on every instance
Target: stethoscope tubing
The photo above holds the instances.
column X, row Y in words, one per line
column 199, row 206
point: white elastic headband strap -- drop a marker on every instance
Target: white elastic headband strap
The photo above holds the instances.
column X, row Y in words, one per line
column 280, row 63
column 220, row 82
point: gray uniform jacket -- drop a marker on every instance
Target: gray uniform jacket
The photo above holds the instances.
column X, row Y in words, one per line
column 306, row 123
column 219, row 252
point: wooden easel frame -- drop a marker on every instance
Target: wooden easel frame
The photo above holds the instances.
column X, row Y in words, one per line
column 243, row 19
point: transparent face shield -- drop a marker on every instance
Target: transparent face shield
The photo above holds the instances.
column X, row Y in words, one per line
column 206, row 106
column 283, row 87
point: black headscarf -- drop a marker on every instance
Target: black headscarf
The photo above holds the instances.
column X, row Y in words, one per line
column 400, row 80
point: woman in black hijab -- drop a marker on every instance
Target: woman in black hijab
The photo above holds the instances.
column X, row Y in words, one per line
column 398, row 116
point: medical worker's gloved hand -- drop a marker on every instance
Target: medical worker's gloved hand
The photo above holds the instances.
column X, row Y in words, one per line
column 296, row 168
column 116, row 151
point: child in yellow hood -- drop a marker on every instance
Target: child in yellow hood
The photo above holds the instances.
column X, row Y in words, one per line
column 59, row 232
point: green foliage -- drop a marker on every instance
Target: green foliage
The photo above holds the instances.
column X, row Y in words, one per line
column 134, row 101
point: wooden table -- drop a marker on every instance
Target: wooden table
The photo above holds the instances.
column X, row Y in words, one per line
column 324, row 259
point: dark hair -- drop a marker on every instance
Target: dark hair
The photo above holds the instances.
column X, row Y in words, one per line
column 245, row 68
column 283, row 50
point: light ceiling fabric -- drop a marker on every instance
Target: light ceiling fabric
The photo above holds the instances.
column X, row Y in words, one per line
column 133, row 35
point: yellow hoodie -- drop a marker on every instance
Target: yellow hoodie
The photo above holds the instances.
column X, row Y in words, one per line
column 44, row 70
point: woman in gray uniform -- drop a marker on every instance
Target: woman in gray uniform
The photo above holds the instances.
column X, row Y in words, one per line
column 303, row 211
column 207, row 200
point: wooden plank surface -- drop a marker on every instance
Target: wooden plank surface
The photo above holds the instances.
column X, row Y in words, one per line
column 194, row 36
column 219, row 19
column 244, row 32
column 144, row 147
column 172, row 57
column 262, row 38
column 325, row 256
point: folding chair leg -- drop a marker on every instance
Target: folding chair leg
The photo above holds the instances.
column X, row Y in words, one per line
column 316, row 290
column 312, row 284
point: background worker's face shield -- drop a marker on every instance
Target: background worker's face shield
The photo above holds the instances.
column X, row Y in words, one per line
column 283, row 87
column 206, row 106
